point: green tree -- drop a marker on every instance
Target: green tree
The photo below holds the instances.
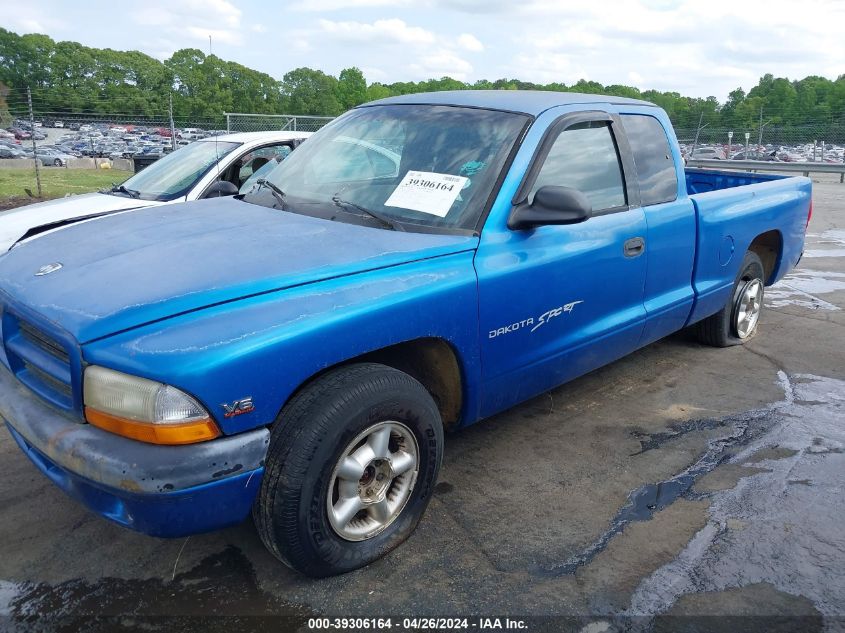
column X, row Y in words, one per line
column 310, row 91
column 351, row 88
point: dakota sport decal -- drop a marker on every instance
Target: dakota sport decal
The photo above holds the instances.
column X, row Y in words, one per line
column 540, row 321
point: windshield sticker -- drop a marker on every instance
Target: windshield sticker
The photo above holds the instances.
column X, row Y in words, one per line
column 471, row 168
column 427, row 192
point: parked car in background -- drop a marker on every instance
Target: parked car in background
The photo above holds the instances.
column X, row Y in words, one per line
column 58, row 124
column 53, row 156
column 709, row 153
column 754, row 155
column 212, row 167
column 10, row 151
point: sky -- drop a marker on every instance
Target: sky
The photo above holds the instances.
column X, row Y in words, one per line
column 695, row 47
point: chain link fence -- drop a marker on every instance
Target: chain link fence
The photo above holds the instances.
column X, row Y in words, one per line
column 241, row 122
column 770, row 134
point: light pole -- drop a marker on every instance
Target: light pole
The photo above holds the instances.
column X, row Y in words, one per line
column 762, row 125
column 747, row 136
column 730, row 139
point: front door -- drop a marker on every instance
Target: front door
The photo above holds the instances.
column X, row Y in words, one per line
column 559, row 301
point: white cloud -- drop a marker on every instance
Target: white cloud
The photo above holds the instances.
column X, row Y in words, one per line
column 693, row 47
column 546, row 67
column 316, row 6
column 218, row 36
column 195, row 18
column 442, row 63
column 469, row 42
column 27, row 19
column 259, row 28
column 392, row 30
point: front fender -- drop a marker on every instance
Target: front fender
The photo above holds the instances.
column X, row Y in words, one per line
column 265, row 347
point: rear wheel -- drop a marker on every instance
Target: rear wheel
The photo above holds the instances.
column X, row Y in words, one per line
column 737, row 321
column 350, row 470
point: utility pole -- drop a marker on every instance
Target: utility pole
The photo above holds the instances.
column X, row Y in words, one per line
column 760, row 137
column 172, row 127
column 32, row 130
column 697, row 132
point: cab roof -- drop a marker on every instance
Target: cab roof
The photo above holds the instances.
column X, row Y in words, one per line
column 533, row 102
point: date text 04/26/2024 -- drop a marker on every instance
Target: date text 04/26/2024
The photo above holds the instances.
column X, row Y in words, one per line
column 417, row 624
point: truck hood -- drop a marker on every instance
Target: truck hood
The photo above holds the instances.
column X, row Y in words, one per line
column 121, row 271
column 14, row 224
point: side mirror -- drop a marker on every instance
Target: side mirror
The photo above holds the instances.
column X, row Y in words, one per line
column 220, row 189
column 551, row 205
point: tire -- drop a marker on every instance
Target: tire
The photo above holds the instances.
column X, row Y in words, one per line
column 728, row 327
column 314, row 442
column 57, row 162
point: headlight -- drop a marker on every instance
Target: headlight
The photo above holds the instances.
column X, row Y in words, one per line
column 143, row 409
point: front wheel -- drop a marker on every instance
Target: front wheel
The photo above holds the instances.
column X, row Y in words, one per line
column 57, row 162
column 351, row 467
column 737, row 321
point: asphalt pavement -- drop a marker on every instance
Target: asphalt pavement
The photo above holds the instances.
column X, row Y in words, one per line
column 674, row 488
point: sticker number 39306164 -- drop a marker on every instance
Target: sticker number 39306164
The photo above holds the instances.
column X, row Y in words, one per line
column 427, row 192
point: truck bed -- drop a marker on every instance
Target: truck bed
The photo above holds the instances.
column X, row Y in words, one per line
column 705, row 180
column 733, row 209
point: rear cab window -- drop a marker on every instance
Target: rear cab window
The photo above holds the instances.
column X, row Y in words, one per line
column 652, row 158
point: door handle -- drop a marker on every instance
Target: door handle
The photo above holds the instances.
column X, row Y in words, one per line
column 634, row 247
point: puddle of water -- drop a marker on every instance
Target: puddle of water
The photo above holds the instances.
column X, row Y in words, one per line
column 824, row 252
column 834, row 237
column 831, row 236
column 791, row 536
column 8, row 591
column 646, row 500
column 800, row 287
column 220, row 593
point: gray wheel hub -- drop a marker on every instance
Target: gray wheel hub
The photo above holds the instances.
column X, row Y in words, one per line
column 749, row 304
column 372, row 481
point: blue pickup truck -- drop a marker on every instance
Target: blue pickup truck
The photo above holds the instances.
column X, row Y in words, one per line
column 422, row 262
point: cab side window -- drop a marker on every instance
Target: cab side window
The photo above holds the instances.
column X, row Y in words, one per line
column 258, row 159
column 653, row 158
column 584, row 157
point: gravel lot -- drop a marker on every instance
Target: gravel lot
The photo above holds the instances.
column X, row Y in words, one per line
column 679, row 481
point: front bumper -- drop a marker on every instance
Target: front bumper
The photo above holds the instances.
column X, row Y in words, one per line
column 158, row 490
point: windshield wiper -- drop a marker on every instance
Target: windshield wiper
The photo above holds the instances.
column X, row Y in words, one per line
column 129, row 192
column 346, row 205
column 278, row 194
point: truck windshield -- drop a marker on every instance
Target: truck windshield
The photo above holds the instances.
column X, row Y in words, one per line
column 176, row 174
column 406, row 165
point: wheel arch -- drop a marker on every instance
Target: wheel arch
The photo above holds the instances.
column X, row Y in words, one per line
column 769, row 248
column 432, row 361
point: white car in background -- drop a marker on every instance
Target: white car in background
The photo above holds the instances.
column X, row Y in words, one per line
column 212, row 167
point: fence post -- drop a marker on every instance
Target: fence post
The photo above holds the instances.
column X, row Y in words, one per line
column 32, row 136
column 172, row 127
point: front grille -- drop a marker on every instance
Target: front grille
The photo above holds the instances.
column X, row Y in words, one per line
column 40, row 361
column 57, row 385
column 43, row 341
